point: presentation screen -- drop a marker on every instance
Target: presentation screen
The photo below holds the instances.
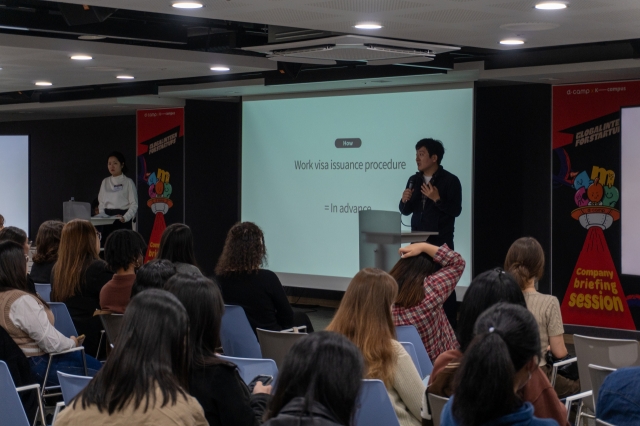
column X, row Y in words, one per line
column 630, row 190
column 305, row 191
column 14, row 181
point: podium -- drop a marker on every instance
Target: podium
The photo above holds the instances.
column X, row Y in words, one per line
column 78, row 210
column 381, row 236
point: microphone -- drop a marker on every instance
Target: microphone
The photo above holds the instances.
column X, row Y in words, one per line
column 412, row 180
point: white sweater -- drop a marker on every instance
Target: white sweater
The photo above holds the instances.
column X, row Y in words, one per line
column 119, row 193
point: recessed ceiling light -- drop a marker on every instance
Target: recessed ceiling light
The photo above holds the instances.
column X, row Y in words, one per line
column 551, row 5
column 81, row 58
column 368, row 26
column 43, row 83
column 511, row 42
column 219, row 68
column 91, row 37
column 125, row 77
column 187, row 5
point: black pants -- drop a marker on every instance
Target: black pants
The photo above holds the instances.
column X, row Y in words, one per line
column 108, row 229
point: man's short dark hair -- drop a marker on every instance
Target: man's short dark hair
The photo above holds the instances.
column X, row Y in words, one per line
column 433, row 147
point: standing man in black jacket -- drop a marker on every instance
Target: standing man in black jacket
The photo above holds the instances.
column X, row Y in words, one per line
column 434, row 197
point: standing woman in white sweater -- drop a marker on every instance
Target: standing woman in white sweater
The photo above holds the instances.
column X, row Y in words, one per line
column 118, row 195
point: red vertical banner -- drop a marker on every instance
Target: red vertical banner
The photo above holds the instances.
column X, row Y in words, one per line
column 160, row 173
column 586, row 238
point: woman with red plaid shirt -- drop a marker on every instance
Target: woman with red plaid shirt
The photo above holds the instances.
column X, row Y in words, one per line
column 426, row 276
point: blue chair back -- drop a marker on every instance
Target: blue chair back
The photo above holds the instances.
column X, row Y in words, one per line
column 44, row 290
column 411, row 350
column 374, row 405
column 63, row 322
column 249, row 368
column 10, row 404
column 71, row 385
column 236, row 335
column 408, row 333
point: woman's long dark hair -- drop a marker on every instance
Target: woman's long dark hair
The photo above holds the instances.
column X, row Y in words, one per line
column 176, row 245
column 202, row 299
column 506, row 339
column 13, row 267
column 324, row 368
column 485, row 290
column 150, row 352
column 410, row 273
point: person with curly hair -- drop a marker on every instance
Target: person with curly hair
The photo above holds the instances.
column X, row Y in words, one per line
column 243, row 281
column 47, row 243
column 124, row 252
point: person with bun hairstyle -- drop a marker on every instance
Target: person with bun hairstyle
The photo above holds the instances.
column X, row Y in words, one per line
column 487, row 289
column 525, row 260
column 365, row 318
column 47, row 243
column 318, row 384
column 118, row 195
column 498, row 363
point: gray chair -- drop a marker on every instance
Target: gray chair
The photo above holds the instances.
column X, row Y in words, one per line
column 597, row 374
column 275, row 345
column 111, row 324
column 436, row 403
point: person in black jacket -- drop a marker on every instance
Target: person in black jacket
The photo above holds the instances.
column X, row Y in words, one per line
column 434, row 199
column 318, row 384
column 215, row 383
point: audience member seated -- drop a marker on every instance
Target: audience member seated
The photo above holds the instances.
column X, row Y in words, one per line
column 525, row 260
column 215, row 383
column 498, row 363
column 1, row 222
column 124, row 252
column 318, row 384
column 259, row 291
column 486, row 290
column 176, row 245
column 424, row 286
column 29, row 321
column 153, row 274
column 364, row 317
column 619, row 398
column 17, row 235
column 145, row 378
column 47, row 243
column 77, row 278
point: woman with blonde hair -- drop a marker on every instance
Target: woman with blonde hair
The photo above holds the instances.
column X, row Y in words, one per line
column 47, row 243
column 364, row 317
column 244, row 282
column 78, row 276
column 525, row 260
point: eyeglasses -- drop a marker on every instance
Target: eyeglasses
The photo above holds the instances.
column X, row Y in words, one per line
column 99, row 235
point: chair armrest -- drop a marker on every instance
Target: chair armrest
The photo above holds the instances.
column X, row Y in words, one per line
column 576, row 397
column 28, row 387
column 76, row 349
column 565, row 362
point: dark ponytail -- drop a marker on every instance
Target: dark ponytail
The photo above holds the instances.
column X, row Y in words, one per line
column 506, row 339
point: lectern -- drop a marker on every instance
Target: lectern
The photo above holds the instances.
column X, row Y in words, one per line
column 78, row 210
column 381, row 236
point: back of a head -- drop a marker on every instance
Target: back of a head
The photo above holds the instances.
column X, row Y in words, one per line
column 525, row 260
column 48, row 241
column 433, row 147
column 324, row 368
column 153, row 274
column 244, row 250
column 409, row 273
column 11, row 233
column 506, row 339
column 123, row 248
column 13, row 267
column 176, row 244
column 204, row 304
column 78, row 248
column 151, row 351
column 485, row 290
column 364, row 317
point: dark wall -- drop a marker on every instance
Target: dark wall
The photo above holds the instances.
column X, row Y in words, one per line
column 212, row 144
column 68, row 158
column 512, row 169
